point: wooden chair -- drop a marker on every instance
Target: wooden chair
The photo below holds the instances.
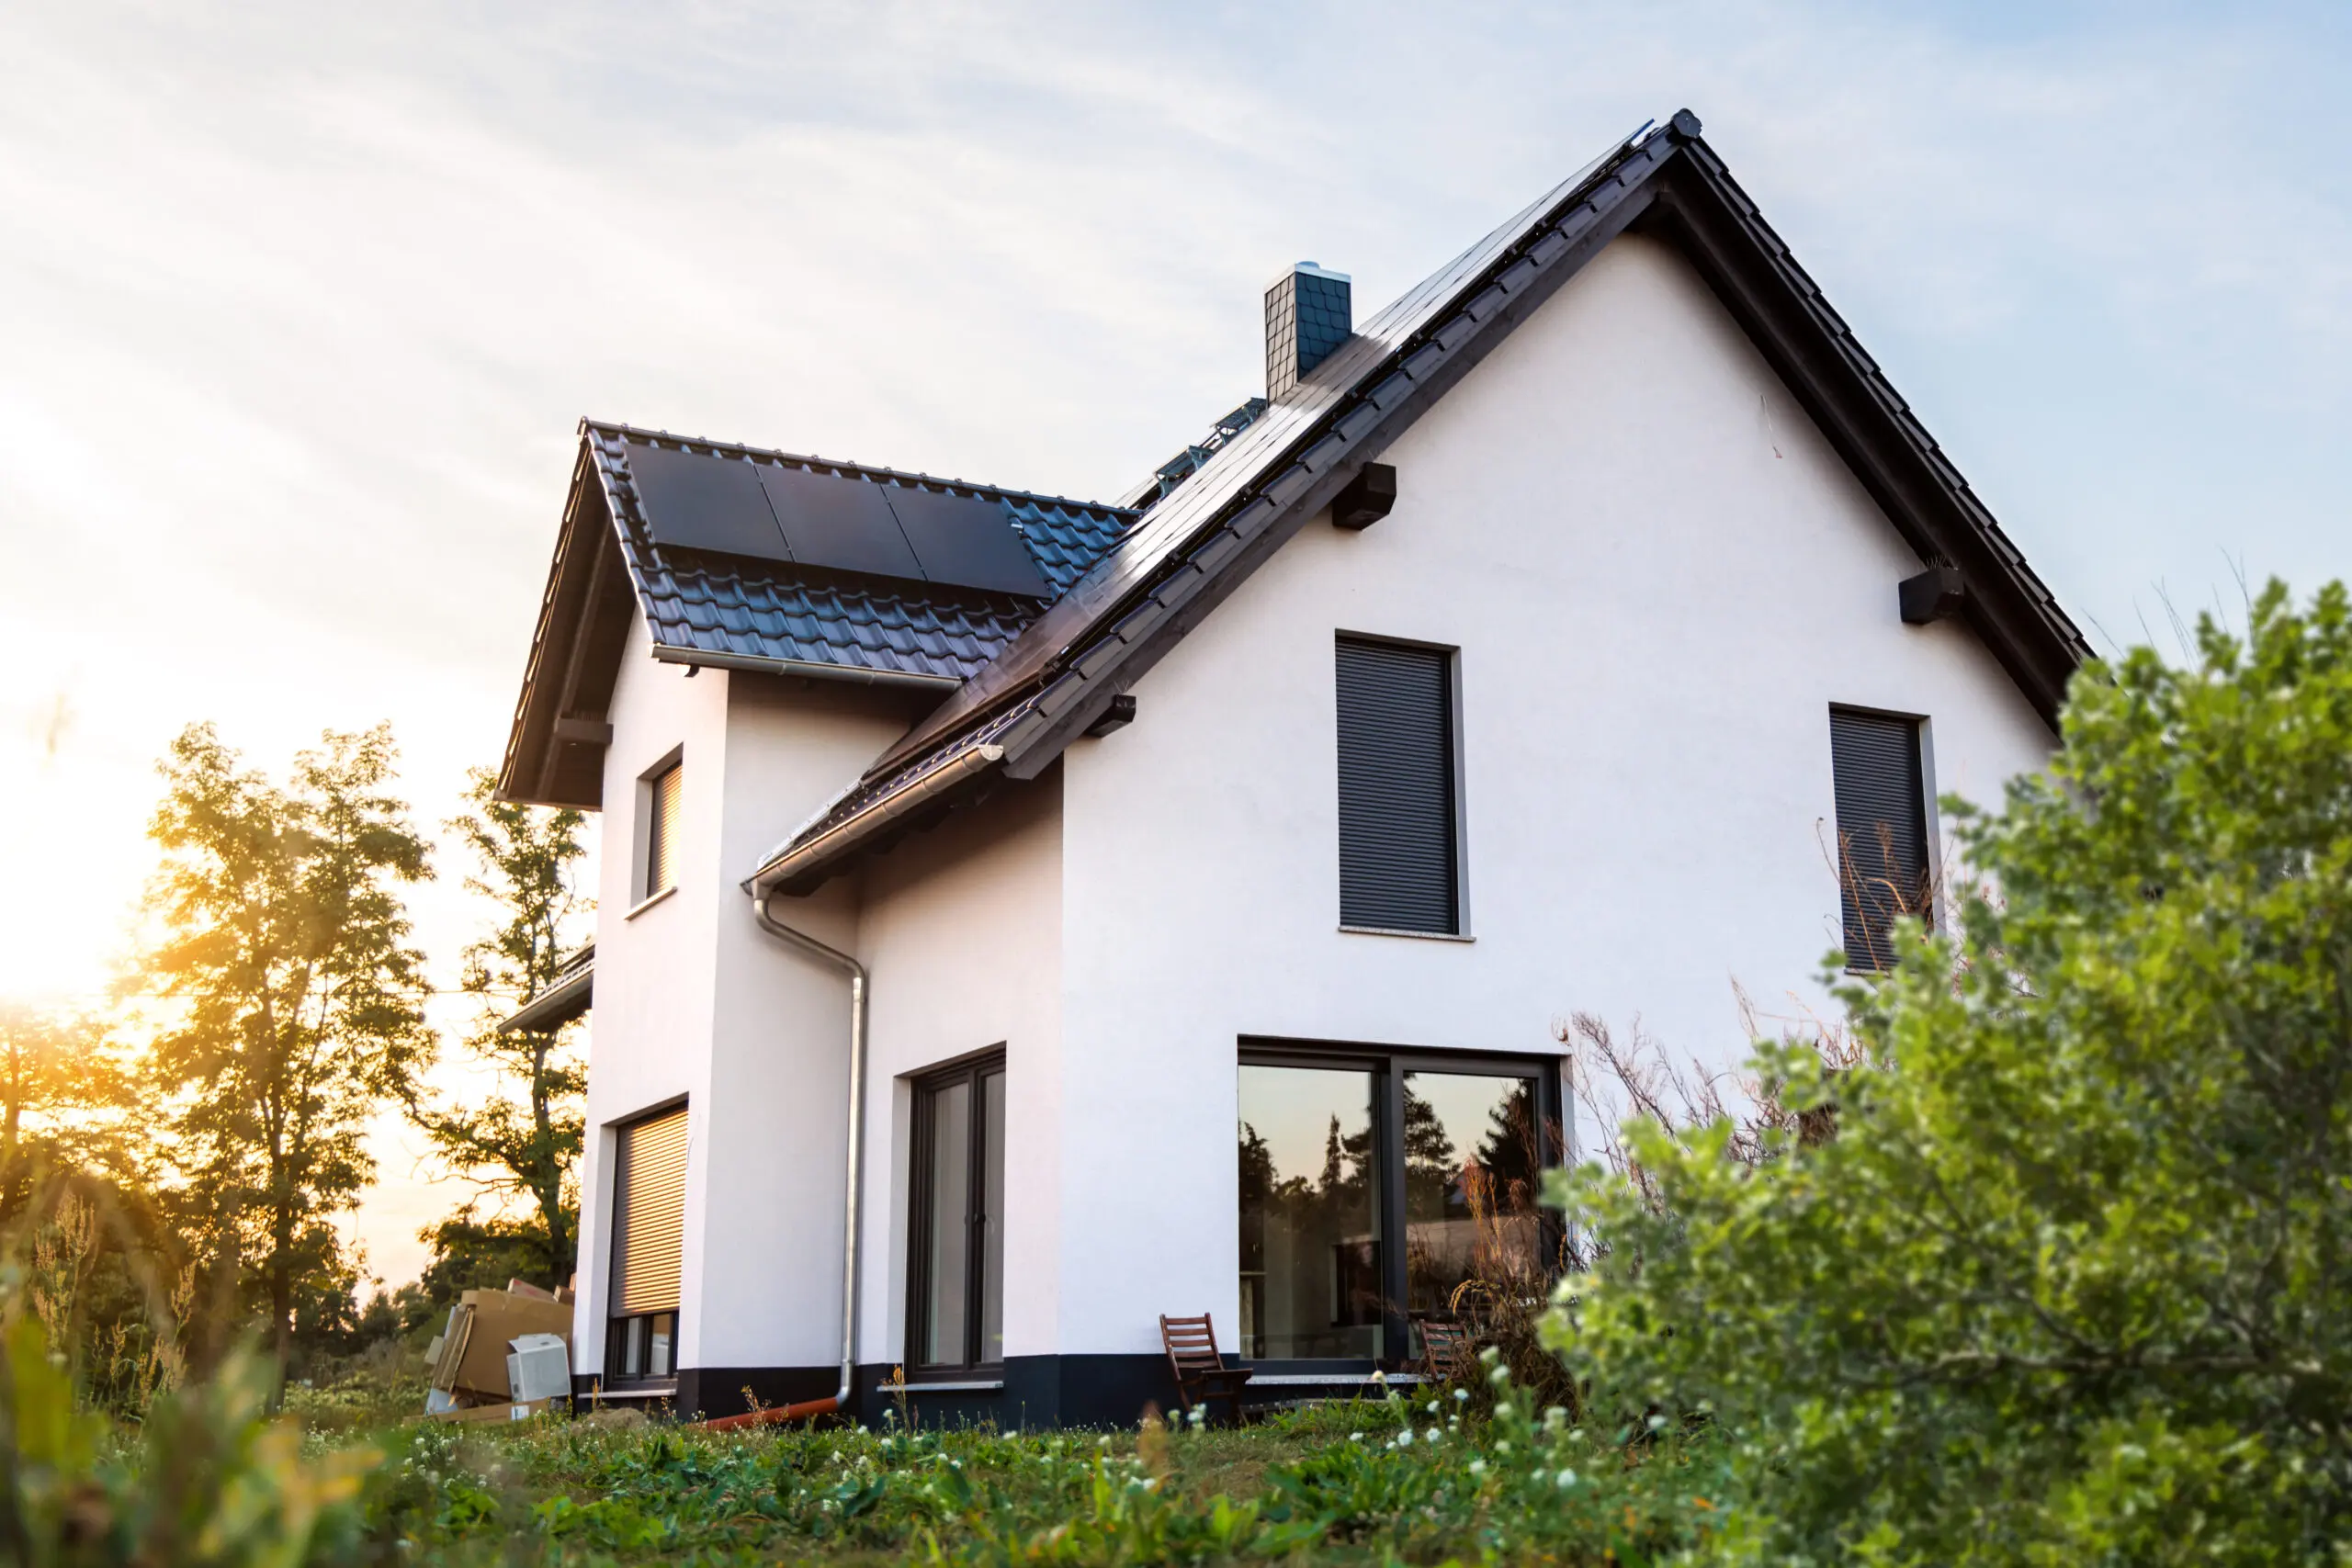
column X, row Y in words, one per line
column 1449, row 1351
column 1202, row 1376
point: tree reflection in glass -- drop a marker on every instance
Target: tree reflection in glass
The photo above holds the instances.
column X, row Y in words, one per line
column 1310, row 1229
column 1472, row 1183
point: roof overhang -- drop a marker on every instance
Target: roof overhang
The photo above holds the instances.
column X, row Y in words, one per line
column 1058, row 679
column 554, row 748
column 568, row 998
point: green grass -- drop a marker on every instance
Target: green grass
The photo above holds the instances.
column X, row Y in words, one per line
column 1340, row 1484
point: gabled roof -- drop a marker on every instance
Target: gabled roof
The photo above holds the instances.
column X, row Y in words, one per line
column 1059, row 676
column 766, row 610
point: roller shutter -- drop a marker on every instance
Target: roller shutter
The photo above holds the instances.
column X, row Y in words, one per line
column 1396, row 790
column 661, row 831
column 1882, row 831
column 648, row 1213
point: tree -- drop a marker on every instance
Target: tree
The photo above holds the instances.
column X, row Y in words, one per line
column 2067, row 1282
column 525, row 1142
column 63, row 1090
column 294, row 1003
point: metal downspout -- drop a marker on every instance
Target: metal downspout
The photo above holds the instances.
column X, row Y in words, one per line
column 852, row 1194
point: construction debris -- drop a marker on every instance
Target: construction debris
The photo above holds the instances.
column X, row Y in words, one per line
column 501, row 1349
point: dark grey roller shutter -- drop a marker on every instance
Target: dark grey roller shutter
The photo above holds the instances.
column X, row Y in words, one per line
column 1882, row 831
column 1396, row 806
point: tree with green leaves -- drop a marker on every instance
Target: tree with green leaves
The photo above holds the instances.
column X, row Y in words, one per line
column 291, row 1003
column 2069, row 1282
column 524, row 1142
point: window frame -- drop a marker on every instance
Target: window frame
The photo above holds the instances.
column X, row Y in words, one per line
column 1388, row 1066
column 922, row 1147
column 649, row 830
column 1457, row 803
column 617, row 1373
column 1924, row 777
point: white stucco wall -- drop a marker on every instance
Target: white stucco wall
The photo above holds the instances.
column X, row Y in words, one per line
column 649, row 1032
column 1660, row 577
column 694, row 999
column 962, row 930
column 769, row 1289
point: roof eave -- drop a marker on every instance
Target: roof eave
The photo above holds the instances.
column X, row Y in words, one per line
column 801, row 867
column 555, row 1007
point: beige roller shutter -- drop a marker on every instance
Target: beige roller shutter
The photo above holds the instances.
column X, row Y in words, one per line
column 662, row 837
column 648, row 1213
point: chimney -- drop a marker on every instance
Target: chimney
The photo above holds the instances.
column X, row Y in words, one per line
column 1308, row 314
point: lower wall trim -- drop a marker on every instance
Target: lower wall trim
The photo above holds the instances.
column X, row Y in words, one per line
column 731, row 1390
column 1032, row 1392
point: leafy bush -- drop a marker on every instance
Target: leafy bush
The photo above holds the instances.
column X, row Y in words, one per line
column 1369, row 1481
column 2069, row 1282
column 211, row 1482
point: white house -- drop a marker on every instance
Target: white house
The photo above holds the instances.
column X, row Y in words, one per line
column 1021, row 916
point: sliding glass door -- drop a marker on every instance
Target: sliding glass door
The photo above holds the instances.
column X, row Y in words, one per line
column 1342, row 1151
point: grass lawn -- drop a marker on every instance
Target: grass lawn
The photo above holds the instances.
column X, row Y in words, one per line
column 1371, row 1481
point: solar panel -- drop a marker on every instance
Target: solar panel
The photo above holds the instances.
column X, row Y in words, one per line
column 704, row 502
column 967, row 541
column 838, row 521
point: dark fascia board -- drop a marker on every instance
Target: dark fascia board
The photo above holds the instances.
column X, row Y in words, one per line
column 1703, row 212
column 578, row 580
column 1673, row 185
column 1122, row 637
column 1059, row 679
column 1432, row 364
column 1339, row 419
column 570, row 995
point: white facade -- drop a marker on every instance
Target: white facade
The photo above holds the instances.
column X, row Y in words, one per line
column 1658, row 576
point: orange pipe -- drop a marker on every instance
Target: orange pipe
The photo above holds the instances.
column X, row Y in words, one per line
column 774, row 1415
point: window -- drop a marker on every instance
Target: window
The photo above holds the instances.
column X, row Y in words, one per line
column 1341, row 1151
column 1399, row 811
column 1883, row 870
column 956, row 1311
column 664, row 789
column 648, row 1223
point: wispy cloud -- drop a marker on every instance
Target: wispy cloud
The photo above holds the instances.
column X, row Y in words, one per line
column 301, row 303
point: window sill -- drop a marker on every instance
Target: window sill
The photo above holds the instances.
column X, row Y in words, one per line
column 1329, row 1380
column 655, row 1388
column 1425, row 936
column 645, row 904
column 965, row 1385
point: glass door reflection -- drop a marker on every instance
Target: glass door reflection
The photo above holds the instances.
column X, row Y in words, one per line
column 1310, row 1214
column 1473, row 1184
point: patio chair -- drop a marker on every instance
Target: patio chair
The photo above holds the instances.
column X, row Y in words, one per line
column 1449, row 1351
column 1202, row 1376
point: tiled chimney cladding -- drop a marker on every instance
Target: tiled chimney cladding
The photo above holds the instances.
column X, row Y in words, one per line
column 1308, row 314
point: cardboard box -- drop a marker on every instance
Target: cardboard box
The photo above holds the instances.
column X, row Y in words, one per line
column 477, row 1414
column 475, row 1344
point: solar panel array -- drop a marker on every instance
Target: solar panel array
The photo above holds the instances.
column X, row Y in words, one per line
column 839, row 521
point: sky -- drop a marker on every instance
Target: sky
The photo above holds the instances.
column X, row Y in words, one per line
column 299, row 306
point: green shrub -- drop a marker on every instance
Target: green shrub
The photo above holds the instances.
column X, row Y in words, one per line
column 2070, row 1283
column 211, row 1481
